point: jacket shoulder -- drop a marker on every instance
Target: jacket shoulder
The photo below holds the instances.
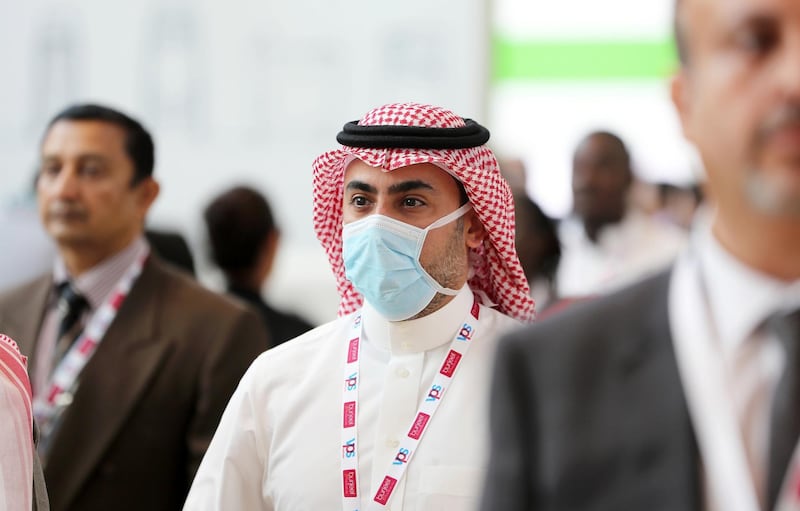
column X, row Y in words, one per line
column 623, row 314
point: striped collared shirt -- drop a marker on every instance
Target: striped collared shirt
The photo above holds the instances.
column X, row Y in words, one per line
column 95, row 285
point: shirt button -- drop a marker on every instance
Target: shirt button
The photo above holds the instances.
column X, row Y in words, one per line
column 403, row 372
column 394, row 444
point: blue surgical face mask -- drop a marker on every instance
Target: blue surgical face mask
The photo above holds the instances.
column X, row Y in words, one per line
column 381, row 259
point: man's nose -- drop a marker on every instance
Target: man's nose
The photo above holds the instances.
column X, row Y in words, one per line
column 382, row 208
column 66, row 185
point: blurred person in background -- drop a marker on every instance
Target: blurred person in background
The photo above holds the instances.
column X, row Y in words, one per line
column 514, row 172
column 678, row 204
column 681, row 392
column 33, row 251
column 172, row 247
column 132, row 362
column 385, row 403
column 605, row 243
column 538, row 249
column 244, row 240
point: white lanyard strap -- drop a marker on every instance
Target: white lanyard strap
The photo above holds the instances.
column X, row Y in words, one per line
column 47, row 406
column 698, row 352
column 441, row 382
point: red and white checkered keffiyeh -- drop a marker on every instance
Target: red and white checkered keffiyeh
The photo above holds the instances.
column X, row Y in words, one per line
column 16, row 429
column 496, row 268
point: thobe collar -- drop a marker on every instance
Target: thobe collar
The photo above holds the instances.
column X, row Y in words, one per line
column 418, row 335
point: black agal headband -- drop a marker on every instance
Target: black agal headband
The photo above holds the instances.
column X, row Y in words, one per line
column 413, row 137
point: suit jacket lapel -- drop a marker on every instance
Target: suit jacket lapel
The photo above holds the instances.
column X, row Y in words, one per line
column 22, row 319
column 111, row 384
column 672, row 456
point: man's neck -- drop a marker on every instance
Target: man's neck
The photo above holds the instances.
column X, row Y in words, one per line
column 767, row 245
column 595, row 227
column 248, row 280
column 80, row 258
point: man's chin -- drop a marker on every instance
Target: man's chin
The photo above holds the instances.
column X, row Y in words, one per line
column 68, row 237
column 776, row 193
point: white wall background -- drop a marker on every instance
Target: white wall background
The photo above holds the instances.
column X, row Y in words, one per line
column 252, row 90
column 235, row 91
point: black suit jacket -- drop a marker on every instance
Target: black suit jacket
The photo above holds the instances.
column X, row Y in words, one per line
column 151, row 396
column 281, row 326
column 588, row 412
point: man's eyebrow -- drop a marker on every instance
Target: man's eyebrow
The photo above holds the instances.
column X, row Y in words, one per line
column 403, row 187
column 408, row 186
column 82, row 157
column 361, row 186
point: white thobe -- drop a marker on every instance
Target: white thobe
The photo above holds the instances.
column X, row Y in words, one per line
column 278, row 446
column 623, row 253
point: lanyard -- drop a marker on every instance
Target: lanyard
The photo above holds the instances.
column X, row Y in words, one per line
column 349, row 462
column 47, row 407
column 700, row 362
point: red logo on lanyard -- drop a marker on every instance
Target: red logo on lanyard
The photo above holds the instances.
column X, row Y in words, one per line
column 56, row 390
column 117, row 300
column 385, row 491
column 419, row 425
column 450, row 363
column 349, row 414
column 797, row 486
column 476, row 307
column 87, row 346
column 352, row 351
column 350, row 487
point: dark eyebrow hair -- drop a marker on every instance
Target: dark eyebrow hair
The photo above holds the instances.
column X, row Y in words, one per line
column 362, row 186
column 405, row 186
column 84, row 156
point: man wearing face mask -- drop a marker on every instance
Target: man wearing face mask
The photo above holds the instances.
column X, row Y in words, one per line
column 385, row 406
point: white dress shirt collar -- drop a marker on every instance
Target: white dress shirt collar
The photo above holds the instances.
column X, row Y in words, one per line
column 418, row 335
column 98, row 282
column 740, row 298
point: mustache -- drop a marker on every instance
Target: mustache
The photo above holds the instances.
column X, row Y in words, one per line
column 787, row 116
column 67, row 209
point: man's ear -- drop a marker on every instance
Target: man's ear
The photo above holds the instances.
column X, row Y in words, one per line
column 147, row 191
column 474, row 232
column 680, row 94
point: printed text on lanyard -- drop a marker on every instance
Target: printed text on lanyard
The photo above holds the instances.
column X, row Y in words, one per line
column 427, row 408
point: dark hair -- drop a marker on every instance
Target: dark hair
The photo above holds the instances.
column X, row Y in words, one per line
column 138, row 142
column 532, row 221
column 238, row 222
column 615, row 141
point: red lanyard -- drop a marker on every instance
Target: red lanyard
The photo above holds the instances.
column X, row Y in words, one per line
column 48, row 406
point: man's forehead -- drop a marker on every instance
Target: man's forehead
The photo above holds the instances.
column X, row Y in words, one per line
column 426, row 172
column 696, row 12
column 78, row 134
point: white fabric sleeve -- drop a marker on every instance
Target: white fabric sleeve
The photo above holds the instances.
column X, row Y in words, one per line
column 233, row 470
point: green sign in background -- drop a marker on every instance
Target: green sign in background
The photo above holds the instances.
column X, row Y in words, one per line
column 537, row 60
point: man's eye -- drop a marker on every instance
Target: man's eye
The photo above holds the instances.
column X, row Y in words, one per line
column 91, row 170
column 49, row 170
column 358, row 201
column 758, row 40
column 411, row 202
